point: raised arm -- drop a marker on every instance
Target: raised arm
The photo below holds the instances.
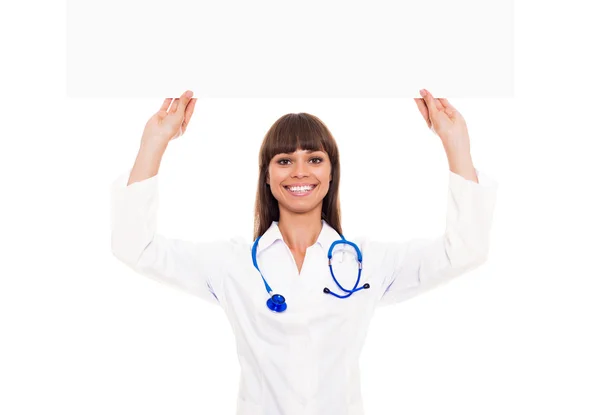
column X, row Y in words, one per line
column 421, row 264
column 194, row 267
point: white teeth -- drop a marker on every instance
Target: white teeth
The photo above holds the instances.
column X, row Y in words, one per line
column 301, row 188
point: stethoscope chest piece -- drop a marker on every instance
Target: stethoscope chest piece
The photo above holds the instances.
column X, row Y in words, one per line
column 277, row 303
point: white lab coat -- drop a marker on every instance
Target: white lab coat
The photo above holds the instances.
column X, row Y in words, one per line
column 306, row 359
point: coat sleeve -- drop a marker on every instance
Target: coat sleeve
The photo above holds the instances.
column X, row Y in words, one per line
column 419, row 265
column 194, row 267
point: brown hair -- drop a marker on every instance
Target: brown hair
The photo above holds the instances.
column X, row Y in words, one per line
column 291, row 132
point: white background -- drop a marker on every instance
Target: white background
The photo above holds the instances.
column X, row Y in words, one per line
column 83, row 334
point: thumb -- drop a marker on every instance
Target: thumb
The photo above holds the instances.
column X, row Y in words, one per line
column 429, row 101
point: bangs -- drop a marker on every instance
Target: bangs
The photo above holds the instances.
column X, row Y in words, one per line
column 293, row 132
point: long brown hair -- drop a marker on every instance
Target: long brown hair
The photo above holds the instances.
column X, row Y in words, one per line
column 291, row 132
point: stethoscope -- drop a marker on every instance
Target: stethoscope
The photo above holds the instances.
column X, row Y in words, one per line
column 277, row 301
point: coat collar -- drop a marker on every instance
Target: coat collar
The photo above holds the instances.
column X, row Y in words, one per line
column 326, row 237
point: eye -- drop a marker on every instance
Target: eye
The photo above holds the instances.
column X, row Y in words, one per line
column 319, row 159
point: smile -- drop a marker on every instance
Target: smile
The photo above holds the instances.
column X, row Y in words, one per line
column 300, row 190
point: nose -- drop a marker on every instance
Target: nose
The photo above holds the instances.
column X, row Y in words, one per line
column 300, row 170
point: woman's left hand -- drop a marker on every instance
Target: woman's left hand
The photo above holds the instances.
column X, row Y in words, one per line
column 445, row 121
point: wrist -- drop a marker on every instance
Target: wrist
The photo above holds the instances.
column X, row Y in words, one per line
column 463, row 167
column 153, row 148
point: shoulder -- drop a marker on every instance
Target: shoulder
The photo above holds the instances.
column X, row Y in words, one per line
column 239, row 243
column 368, row 244
column 219, row 249
column 380, row 250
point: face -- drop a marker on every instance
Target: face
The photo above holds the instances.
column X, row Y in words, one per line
column 299, row 181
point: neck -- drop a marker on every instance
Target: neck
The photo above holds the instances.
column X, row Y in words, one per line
column 300, row 231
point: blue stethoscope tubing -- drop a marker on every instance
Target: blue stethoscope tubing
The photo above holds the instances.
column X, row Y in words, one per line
column 277, row 301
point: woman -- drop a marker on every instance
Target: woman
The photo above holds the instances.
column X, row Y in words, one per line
column 299, row 301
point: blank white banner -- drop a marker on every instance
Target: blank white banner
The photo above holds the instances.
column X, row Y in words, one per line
column 267, row 48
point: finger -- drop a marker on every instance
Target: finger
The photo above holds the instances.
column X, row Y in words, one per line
column 188, row 113
column 423, row 110
column 174, row 106
column 184, row 100
column 165, row 105
column 446, row 104
column 430, row 101
column 448, row 108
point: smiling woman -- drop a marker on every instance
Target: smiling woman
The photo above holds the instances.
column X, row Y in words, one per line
column 299, row 173
column 302, row 358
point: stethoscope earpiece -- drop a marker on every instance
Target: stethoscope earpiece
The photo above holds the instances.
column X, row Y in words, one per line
column 328, row 291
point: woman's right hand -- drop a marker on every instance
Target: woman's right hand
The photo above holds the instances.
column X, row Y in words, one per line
column 165, row 126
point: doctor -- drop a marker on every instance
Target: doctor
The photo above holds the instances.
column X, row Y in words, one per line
column 300, row 295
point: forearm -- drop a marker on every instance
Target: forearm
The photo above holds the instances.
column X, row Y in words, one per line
column 147, row 163
column 462, row 164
